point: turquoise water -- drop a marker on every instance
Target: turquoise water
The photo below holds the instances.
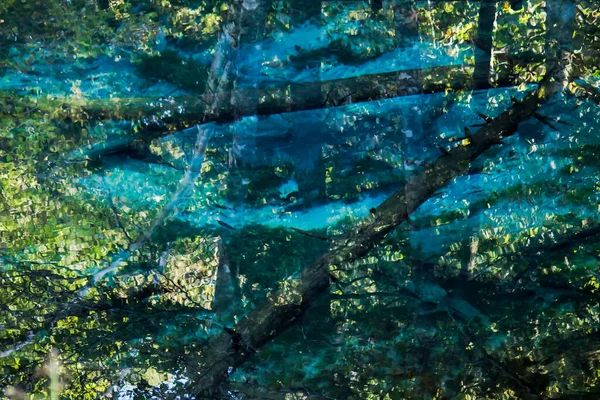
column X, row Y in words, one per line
column 286, row 200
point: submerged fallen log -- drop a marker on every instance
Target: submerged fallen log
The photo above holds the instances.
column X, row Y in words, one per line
column 232, row 348
column 156, row 117
column 179, row 112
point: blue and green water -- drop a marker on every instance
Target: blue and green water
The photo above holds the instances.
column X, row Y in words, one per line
column 192, row 195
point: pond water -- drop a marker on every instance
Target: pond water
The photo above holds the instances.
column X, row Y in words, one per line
column 285, row 199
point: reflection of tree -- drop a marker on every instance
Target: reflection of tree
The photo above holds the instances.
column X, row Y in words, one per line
column 483, row 44
column 212, row 355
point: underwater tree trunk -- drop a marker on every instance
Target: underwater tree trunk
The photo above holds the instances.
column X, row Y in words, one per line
column 484, row 44
column 232, row 348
